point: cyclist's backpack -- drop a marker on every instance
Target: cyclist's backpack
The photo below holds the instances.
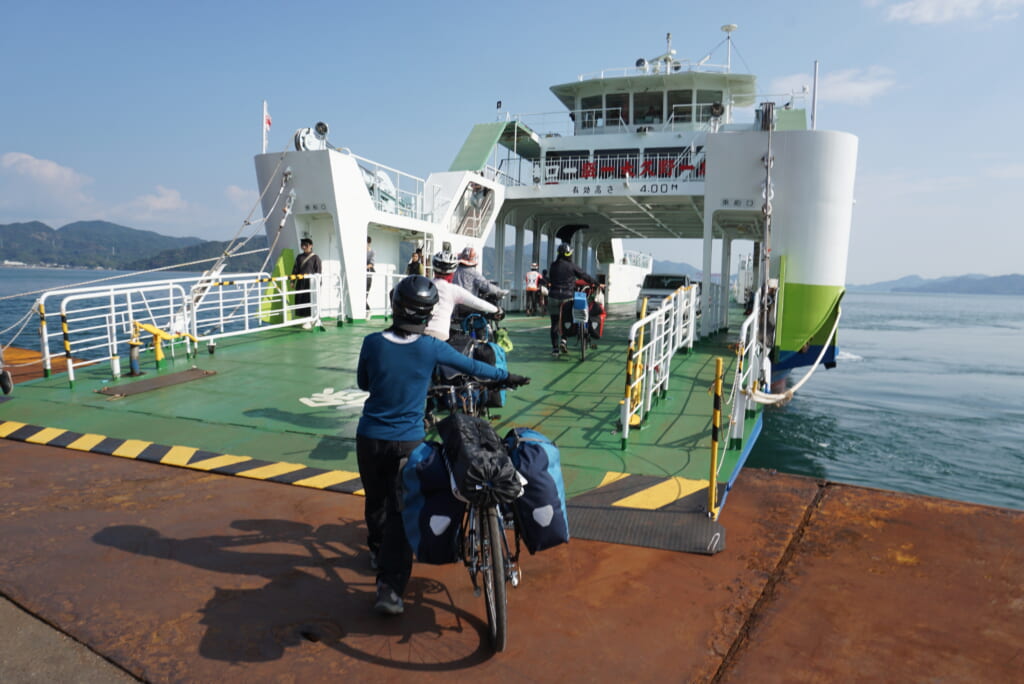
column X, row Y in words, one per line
column 492, row 354
column 431, row 514
column 481, row 468
column 541, row 509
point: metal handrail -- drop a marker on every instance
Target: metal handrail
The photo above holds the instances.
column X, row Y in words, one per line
column 653, row 341
column 96, row 323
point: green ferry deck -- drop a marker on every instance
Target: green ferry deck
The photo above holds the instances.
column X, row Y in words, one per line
column 283, row 405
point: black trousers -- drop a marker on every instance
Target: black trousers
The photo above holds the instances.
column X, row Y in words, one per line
column 302, row 297
column 379, row 461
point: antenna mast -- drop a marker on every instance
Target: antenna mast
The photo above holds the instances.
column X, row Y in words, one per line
column 728, row 28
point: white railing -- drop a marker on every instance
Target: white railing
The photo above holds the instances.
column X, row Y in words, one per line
column 752, row 367
column 393, row 191
column 98, row 324
column 653, row 341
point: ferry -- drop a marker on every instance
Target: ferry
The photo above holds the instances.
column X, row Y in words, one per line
column 659, row 418
column 181, row 497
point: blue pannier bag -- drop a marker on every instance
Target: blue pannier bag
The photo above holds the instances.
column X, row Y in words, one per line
column 431, row 514
column 491, row 353
column 541, row 509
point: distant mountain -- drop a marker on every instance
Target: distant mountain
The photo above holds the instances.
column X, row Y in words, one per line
column 83, row 244
column 675, row 267
column 201, row 252
column 971, row 283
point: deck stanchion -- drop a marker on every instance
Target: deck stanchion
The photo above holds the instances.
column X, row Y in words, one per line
column 716, row 425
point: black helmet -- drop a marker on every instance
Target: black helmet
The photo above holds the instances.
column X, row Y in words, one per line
column 412, row 301
column 445, row 262
column 564, row 250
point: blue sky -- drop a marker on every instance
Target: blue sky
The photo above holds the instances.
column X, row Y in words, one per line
column 148, row 114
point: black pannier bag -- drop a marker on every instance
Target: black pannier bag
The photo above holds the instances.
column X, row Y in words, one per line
column 481, row 468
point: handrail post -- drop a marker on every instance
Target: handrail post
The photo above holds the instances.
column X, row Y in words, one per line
column 716, row 424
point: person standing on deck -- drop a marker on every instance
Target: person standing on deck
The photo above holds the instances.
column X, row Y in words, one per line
column 562, row 276
column 306, row 265
column 395, row 367
column 371, row 259
column 533, row 281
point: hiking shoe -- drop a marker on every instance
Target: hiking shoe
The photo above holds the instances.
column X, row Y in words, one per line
column 563, row 346
column 555, row 352
column 373, row 560
column 388, row 602
column 307, row 326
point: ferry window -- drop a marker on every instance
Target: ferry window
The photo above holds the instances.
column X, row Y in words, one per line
column 704, row 100
column 648, row 107
column 680, row 105
column 566, row 165
column 591, row 111
column 615, row 164
column 616, row 108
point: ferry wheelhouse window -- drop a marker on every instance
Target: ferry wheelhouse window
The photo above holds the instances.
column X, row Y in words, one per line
column 648, row 107
column 680, row 105
column 591, row 111
column 705, row 98
column 616, row 109
column 614, row 164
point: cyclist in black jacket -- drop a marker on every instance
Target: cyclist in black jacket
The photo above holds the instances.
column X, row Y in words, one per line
column 562, row 277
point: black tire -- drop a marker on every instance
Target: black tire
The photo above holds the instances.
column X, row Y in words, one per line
column 584, row 341
column 492, row 555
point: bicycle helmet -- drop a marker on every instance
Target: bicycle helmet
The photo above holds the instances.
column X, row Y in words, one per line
column 469, row 257
column 445, row 262
column 412, row 302
column 564, row 250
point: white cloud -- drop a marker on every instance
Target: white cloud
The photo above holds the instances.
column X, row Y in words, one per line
column 945, row 11
column 42, row 176
column 242, row 199
column 848, row 86
column 1007, row 171
column 165, row 204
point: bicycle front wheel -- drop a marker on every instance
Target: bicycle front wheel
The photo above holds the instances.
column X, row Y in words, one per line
column 492, row 555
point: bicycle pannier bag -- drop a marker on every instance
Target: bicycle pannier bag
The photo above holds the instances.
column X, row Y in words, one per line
column 541, row 509
column 481, row 468
column 491, row 353
column 431, row 514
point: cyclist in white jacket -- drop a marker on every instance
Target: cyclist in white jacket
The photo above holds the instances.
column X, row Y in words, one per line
column 450, row 295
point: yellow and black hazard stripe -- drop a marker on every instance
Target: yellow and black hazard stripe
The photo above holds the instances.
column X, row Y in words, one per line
column 645, row 492
column 186, row 457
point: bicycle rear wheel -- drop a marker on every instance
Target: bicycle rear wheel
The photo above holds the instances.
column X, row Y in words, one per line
column 582, row 334
column 492, row 556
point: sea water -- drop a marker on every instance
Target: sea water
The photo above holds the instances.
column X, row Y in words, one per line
column 926, row 397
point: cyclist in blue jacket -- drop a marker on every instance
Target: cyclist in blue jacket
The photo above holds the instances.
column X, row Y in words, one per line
column 395, row 367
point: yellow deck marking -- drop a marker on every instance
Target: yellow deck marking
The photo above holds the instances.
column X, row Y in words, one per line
column 612, row 477
column 9, row 427
column 360, row 492
column 86, row 442
column 178, row 455
column 45, row 436
column 219, row 462
column 273, row 470
column 662, row 493
column 328, row 479
column 131, row 448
